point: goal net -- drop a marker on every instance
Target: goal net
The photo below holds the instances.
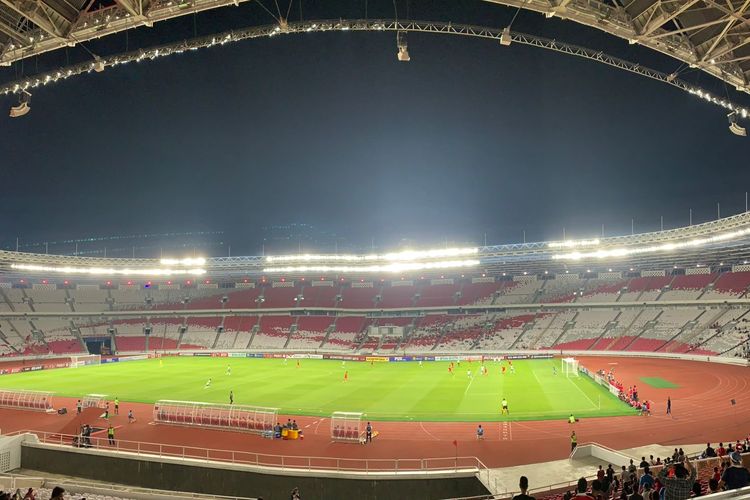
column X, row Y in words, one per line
column 346, row 426
column 570, row 367
column 85, row 360
column 94, row 401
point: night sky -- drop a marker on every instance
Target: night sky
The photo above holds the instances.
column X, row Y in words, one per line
column 331, row 130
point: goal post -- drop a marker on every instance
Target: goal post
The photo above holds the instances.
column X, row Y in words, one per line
column 346, row 427
column 94, row 401
column 85, row 360
column 570, row 367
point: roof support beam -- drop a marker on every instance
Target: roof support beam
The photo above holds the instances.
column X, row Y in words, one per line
column 13, row 34
column 660, row 21
column 37, row 12
column 729, row 25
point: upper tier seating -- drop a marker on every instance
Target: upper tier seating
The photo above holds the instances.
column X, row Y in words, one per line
column 358, row 298
column 437, row 295
column 319, row 296
column 397, row 296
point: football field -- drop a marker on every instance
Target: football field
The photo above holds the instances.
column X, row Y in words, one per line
column 383, row 391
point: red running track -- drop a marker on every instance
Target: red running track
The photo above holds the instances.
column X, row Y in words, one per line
column 701, row 413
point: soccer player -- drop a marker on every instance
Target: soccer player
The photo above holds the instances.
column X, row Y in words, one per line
column 468, row 373
column 346, row 375
column 298, row 363
column 229, row 370
column 231, row 397
column 512, row 369
column 504, row 409
column 343, row 364
column 554, row 370
column 502, row 369
column 161, row 362
column 420, row 363
column 208, row 384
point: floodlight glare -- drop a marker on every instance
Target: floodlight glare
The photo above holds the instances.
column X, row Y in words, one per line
column 734, row 127
column 109, row 271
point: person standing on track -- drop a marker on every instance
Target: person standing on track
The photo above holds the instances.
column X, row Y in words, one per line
column 79, row 407
column 573, row 441
column 480, row 432
column 111, row 435
column 669, row 405
column 368, row 433
column 117, row 406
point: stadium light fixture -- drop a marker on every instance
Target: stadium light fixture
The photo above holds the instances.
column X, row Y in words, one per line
column 734, row 127
column 23, row 107
column 664, row 247
column 406, row 255
column 505, row 38
column 195, row 261
column 108, row 271
column 573, row 243
column 394, row 267
column 403, row 47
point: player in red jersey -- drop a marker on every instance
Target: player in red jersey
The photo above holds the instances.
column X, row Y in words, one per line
column 346, row 375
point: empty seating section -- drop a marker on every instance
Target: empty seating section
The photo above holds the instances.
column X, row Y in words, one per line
column 346, row 329
column 463, row 331
column 437, row 295
column 397, row 296
column 89, row 299
column 687, row 287
column 273, row 332
column 49, row 300
column 426, row 332
column 518, row 292
column 479, row 293
column 560, row 290
column 600, row 290
column 242, row 327
column 505, row 331
column 589, row 325
column 730, row 285
column 17, row 299
column 319, row 296
column 311, row 331
column 358, row 298
column 553, row 332
column 132, row 298
column 280, row 297
column 201, row 332
column 645, row 288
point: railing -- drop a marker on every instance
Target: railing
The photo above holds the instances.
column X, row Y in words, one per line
column 283, row 462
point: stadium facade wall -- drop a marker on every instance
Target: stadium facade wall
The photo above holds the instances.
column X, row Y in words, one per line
column 235, row 480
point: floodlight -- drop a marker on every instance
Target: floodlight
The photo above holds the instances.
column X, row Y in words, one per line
column 403, row 49
column 505, row 38
column 23, row 107
column 734, row 127
column 99, row 65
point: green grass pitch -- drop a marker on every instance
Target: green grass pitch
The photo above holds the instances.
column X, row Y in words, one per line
column 383, row 391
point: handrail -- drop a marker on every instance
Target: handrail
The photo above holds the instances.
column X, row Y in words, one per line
column 284, row 462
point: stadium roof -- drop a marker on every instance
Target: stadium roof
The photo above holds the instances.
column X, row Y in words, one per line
column 713, row 36
column 717, row 244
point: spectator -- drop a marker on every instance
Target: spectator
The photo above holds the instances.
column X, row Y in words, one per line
column 697, row 489
column 644, row 463
column 721, row 451
column 600, row 473
column 647, row 480
column 17, row 495
column 632, row 469
column 523, row 485
column 624, row 475
column 652, row 461
column 581, row 493
column 713, row 486
column 710, row 452
column 717, row 475
column 680, row 484
column 29, row 495
column 735, row 476
column 647, row 493
column 57, row 493
column 295, row 494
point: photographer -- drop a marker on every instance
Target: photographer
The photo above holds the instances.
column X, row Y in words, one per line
column 678, row 480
